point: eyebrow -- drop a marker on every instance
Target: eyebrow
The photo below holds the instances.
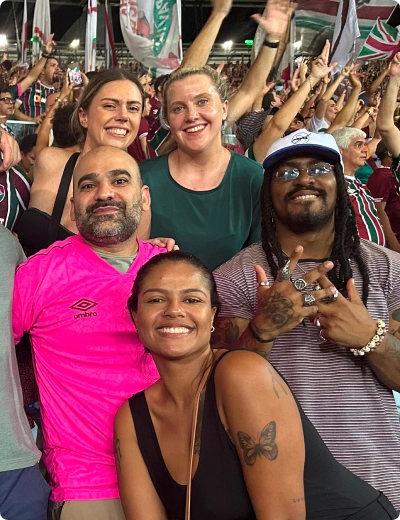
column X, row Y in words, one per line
column 198, row 96
column 135, row 102
column 111, row 174
column 184, row 291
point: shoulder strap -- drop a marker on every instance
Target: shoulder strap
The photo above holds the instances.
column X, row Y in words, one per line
column 61, row 197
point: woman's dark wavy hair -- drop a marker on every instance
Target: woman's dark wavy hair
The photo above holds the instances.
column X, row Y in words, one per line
column 346, row 243
column 173, row 257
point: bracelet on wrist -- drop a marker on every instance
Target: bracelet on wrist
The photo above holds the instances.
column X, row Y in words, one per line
column 45, row 55
column 311, row 85
column 257, row 337
column 375, row 341
column 271, row 45
column 59, row 101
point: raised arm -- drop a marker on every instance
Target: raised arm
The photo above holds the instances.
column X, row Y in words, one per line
column 37, row 69
column 199, row 51
column 385, row 120
column 257, row 407
column 139, row 498
column 274, row 24
column 282, row 119
column 344, row 117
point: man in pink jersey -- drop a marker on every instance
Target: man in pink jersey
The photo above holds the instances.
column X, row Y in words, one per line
column 71, row 298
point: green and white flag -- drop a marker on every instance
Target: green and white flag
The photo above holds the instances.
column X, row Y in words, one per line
column 152, row 32
column 41, row 27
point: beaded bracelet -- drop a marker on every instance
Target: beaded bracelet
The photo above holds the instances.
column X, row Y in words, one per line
column 375, row 341
column 257, row 337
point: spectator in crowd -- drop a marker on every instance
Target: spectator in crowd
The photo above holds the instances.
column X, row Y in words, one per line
column 384, row 187
column 140, row 149
column 200, row 176
column 24, row 492
column 28, row 154
column 353, row 148
column 14, row 184
column 32, row 99
column 174, row 302
column 7, row 103
column 325, row 348
column 69, row 295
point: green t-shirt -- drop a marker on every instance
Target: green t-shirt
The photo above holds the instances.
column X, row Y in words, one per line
column 215, row 224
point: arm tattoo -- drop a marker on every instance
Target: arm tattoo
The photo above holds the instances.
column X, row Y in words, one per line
column 277, row 380
column 392, row 346
column 117, row 454
column 264, row 447
column 227, row 332
column 300, row 499
column 277, row 308
column 396, row 317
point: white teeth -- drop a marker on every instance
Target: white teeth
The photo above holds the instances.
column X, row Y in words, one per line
column 118, row 131
column 306, row 197
column 174, row 330
column 195, row 129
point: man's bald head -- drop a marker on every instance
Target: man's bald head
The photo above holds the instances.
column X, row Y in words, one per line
column 104, row 159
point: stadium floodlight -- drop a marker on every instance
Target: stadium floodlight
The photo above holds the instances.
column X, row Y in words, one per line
column 75, row 43
column 227, row 46
column 3, row 42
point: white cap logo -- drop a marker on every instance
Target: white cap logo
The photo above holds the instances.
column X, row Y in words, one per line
column 301, row 137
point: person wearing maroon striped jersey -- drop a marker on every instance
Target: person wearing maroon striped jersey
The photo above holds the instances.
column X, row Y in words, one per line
column 351, row 142
column 322, row 346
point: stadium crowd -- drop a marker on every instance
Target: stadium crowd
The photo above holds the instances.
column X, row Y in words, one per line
column 202, row 288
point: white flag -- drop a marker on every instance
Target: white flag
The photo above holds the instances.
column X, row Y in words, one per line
column 41, row 26
column 152, row 32
column 91, row 36
column 345, row 34
column 24, row 34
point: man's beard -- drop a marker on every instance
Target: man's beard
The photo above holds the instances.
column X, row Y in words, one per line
column 308, row 219
column 109, row 229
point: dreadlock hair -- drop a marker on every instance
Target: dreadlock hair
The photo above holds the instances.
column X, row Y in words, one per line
column 346, row 243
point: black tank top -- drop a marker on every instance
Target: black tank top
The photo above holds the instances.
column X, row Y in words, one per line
column 218, row 488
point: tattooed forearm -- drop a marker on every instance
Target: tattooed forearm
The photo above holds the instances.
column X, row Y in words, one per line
column 392, row 347
column 276, row 380
column 226, row 332
column 265, row 446
column 396, row 318
column 117, row 454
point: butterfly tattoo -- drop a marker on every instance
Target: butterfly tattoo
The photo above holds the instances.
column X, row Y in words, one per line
column 264, row 447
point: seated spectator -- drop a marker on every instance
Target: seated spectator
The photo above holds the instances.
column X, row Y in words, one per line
column 353, row 148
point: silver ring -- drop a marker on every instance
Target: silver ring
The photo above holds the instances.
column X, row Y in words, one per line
column 308, row 299
column 317, row 323
column 284, row 273
column 334, row 296
column 321, row 336
column 300, row 284
column 317, row 287
column 263, row 284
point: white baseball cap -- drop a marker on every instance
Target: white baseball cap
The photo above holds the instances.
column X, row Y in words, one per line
column 300, row 143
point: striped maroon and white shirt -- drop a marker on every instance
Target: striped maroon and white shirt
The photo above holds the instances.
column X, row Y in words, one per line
column 34, row 99
column 352, row 410
column 368, row 223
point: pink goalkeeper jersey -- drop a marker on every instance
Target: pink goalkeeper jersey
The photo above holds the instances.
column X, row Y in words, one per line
column 87, row 356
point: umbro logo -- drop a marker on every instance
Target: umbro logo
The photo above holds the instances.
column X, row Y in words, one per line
column 84, row 305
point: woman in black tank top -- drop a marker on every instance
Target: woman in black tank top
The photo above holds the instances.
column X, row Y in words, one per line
column 256, row 455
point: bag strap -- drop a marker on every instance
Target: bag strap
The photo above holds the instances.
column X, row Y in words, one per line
column 61, row 197
column 200, row 390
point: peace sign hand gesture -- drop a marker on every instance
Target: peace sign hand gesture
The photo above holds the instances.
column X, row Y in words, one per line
column 281, row 306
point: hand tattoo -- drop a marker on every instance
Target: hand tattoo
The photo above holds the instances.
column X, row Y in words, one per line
column 277, row 308
column 264, row 447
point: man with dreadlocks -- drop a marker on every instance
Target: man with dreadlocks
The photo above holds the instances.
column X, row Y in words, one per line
column 294, row 297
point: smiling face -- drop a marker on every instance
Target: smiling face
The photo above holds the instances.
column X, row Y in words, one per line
column 108, row 197
column 195, row 113
column 113, row 117
column 174, row 314
column 305, row 203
